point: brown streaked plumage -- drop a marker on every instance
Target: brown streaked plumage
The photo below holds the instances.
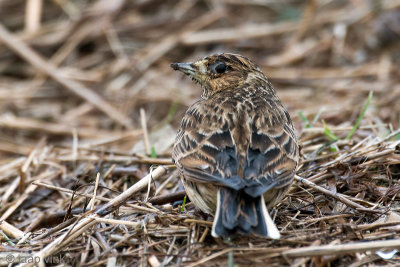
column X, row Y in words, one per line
column 236, row 147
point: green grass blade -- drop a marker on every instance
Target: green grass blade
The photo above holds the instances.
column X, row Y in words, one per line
column 327, row 132
column 183, row 204
column 317, row 117
column 230, row 259
column 172, row 111
column 5, row 237
column 353, row 130
column 153, row 152
column 304, row 119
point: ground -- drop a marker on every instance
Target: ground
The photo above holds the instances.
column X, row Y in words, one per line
column 89, row 108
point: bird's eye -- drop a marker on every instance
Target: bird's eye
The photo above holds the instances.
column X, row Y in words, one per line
column 218, row 67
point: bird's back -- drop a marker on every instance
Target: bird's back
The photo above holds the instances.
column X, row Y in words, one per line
column 244, row 133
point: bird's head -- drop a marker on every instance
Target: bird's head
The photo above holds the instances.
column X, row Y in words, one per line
column 220, row 72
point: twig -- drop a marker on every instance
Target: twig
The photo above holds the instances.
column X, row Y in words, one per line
column 117, row 222
column 199, row 222
column 212, row 256
column 10, row 229
column 342, row 248
column 33, row 12
column 170, row 198
column 329, row 193
column 95, row 191
column 71, row 192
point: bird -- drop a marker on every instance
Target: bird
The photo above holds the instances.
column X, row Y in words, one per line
column 236, row 148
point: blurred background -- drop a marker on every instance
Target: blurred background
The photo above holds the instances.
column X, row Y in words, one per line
column 86, row 88
column 88, row 67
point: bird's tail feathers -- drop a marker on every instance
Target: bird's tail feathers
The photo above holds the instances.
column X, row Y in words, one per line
column 238, row 212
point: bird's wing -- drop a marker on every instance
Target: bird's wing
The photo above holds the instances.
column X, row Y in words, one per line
column 204, row 149
column 272, row 158
column 207, row 151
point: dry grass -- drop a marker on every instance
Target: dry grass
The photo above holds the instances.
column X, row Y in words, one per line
column 89, row 109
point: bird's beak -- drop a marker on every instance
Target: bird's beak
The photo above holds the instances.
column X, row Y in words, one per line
column 186, row 68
